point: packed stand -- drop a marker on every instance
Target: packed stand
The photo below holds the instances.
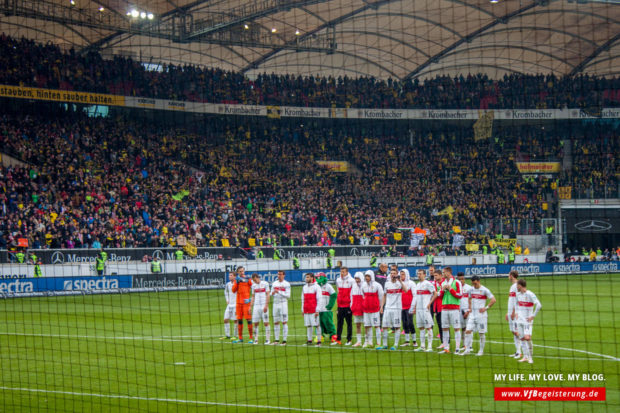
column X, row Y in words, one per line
column 27, row 63
column 121, row 183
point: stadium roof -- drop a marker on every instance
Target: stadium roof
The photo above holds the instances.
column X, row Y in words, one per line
column 399, row 39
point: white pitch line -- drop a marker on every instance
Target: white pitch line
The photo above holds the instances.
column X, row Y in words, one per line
column 166, row 400
column 565, row 349
column 191, row 339
column 372, row 349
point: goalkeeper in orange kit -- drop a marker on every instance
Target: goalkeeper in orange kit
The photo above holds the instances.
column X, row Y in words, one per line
column 242, row 287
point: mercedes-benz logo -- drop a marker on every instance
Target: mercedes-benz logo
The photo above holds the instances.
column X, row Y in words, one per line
column 353, row 252
column 158, row 254
column 281, row 253
column 58, row 257
column 593, row 226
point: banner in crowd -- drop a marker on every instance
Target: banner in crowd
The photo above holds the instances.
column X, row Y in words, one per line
column 69, row 96
column 334, row 166
column 565, row 192
column 503, row 243
column 483, row 128
column 472, row 247
column 539, row 167
column 277, row 112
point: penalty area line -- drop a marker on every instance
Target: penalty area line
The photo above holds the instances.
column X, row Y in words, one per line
column 165, row 400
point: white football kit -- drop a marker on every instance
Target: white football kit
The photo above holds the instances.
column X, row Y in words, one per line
column 260, row 292
column 478, row 321
column 465, row 302
column 231, row 302
column 424, row 293
column 281, row 294
column 392, row 311
column 527, row 305
column 512, row 299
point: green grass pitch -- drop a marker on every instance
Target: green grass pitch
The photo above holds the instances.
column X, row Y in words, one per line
column 161, row 352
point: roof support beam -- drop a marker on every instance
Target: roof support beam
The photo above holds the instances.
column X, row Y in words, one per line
column 602, row 48
column 500, row 20
column 328, row 25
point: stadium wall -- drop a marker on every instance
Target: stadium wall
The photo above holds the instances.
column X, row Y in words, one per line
column 62, row 285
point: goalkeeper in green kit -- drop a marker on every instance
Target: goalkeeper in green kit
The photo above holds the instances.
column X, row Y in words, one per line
column 326, row 316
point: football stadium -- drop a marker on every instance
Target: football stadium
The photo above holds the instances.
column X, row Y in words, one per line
column 309, row 206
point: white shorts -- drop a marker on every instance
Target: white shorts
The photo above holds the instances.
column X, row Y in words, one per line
column 424, row 319
column 391, row 318
column 512, row 324
column 310, row 320
column 477, row 323
column 372, row 319
column 524, row 329
column 230, row 313
column 358, row 319
column 451, row 318
column 280, row 313
column 463, row 319
column 258, row 315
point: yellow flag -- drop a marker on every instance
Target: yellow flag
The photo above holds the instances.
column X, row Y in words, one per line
column 483, row 128
column 273, row 112
column 190, row 249
column 224, row 172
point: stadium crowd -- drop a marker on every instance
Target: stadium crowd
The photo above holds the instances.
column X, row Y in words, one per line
column 27, row 63
column 120, row 183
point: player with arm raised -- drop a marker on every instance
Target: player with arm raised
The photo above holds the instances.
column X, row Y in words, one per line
column 513, row 276
column 260, row 306
column 242, row 288
column 478, row 319
column 526, row 308
column 231, row 305
column 281, row 293
column 426, row 293
column 310, row 302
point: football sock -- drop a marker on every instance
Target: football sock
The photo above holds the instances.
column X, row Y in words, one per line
column 457, row 337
